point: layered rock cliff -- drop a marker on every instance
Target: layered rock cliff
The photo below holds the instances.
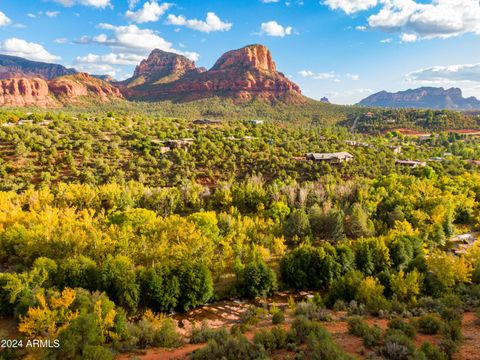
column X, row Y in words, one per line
column 54, row 93
column 26, row 92
column 242, row 75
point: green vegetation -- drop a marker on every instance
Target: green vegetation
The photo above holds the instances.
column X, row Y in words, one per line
column 102, row 229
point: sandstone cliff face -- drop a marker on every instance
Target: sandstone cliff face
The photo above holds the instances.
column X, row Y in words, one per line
column 242, row 75
column 162, row 63
column 71, row 88
column 54, row 93
column 16, row 67
column 25, row 92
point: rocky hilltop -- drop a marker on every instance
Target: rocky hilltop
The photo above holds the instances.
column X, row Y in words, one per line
column 242, row 75
column 17, row 67
column 424, row 97
column 57, row 92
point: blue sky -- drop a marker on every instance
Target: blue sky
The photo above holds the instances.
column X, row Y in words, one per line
column 342, row 49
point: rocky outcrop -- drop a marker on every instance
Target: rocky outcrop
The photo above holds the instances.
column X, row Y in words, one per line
column 55, row 93
column 26, row 92
column 242, row 75
column 17, row 67
column 72, row 88
column 424, row 97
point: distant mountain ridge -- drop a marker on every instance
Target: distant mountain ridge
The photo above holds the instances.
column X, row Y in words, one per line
column 17, row 67
column 423, row 98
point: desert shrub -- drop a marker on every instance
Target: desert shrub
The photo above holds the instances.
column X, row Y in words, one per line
column 432, row 352
column 271, row 340
column 278, row 317
column 155, row 331
column 251, row 316
column 451, row 337
column 397, row 346
column 96, row 353
column 206, row 333
column 326, row 349
column 312, row 311
column 302, row 329
column 371, row 335
column 398, row 324
column 429, row 324
column 229, row 348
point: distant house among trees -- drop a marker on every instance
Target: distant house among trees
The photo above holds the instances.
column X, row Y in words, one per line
column 397, row 149
column 256, row 122
column 206, row 122
column 333, row 158
column 411, row 163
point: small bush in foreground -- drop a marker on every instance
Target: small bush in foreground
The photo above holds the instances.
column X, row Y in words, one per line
column 429, row 324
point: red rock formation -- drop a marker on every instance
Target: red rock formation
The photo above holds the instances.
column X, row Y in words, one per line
column 54, row 93
column 25, row 92
column 70, row 88
column 242, row 74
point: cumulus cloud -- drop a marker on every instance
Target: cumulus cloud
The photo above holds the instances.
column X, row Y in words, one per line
column 438, row 19
column 111, row 59
column 409, row 37
column 446, row 74
column 350, row 6
column 272, row 28
column 353, row 77
column 107, row 63
column 212, row 23
column 318, row 76
column 386, row 41
column 25, row 49
column 151, row 11
column 93, row 3
column 4, row 20
column 424, row 19
column 52, row 14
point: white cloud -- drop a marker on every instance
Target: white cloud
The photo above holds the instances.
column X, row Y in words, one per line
column 111, row 59
column 446, row 74
column 318, row 76
column 28, row 50
column 272, row 28
column 361, row 28
column 133, row 40
column 386, row 41
column 93, row 3
column 353, row 77
column 151, row 11
column 350, row 6
column 409, row 37
column 60, row 40
column 32, row 16
column 211, row 24
column 132, row 4
column 4, row 20
column 438, row 19
column 52, row 14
